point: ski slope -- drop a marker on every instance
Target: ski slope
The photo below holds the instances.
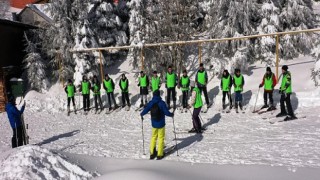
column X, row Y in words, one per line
column 244, row 141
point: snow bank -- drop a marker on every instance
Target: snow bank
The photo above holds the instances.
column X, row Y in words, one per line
column 34, row 162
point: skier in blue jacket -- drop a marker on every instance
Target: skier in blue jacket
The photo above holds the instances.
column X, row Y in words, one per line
column 14, row 116
column 158, row 110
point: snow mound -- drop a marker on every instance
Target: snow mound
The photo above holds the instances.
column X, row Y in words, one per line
column 34, row 162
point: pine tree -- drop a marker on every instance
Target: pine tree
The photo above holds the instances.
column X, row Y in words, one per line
column 4, row 7
column 34, row 64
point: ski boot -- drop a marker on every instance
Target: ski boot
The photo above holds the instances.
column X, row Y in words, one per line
column 281, row 114
column 264, row 106
column 154, row 155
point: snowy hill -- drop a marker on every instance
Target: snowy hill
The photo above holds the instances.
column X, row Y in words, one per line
column 247, row 140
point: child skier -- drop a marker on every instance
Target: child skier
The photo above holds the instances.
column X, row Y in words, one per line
column 184, row 85
column 269, row 81
column 158, row 110
column 96, row 93
column 238, row 82
column 85, row 89
column 70, row 90
column 171, row 83
column 108, row 85
column 202, row 81
column 124, row 86
column 155, row 82
column 226, row 84
column 143, row 84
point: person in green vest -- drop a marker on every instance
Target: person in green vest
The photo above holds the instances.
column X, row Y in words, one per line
column 143, row 84
column 70, row 89
column 196, row 103
column 155, row 81
column 202, row 81
column 85, row 89
column 96, row 86
column 184, row 85
column 238, row 83
column 286, row 91
column 171, row 83
column 269, row 81
column 108, row 85
column 124, row 86
column 226, row 84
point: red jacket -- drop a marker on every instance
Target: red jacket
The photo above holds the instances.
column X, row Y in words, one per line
column 274, row 80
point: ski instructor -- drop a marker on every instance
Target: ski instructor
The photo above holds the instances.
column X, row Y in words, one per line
column 158, row 110
column 14, row 116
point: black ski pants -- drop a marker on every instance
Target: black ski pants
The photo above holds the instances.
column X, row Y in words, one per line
column 185, row 98
column 195, row 119
column 86, row 102
column 265, row 97
column 285, row 98
column 125, row 98
column 17, row 138
column 224, row 94
column 205, row 92
column 171, row 92
column 111, row 96
column 71, row 99
column 97, row 101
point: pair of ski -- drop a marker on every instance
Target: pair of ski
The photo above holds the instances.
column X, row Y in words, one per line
column 204, row 131
column 275, row 120
column 115, row 109
column 265, row 110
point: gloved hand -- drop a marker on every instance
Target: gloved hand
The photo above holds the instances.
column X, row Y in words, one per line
column 260, row 85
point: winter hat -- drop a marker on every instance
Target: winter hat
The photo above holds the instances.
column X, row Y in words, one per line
column 285, row 67
column 237, row 70
column 156, row 93
column 69, row 81
column 184, row 71
column 155, row 72
column 201, row 64
column 11, row 98
column 268, row 69
column 141, row 72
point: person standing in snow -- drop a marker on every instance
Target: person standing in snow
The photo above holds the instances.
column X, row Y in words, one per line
column 286, row 91
column 143, row 84
column 196, row 103
column 14, row 116
column 155, row 82
column 202, row 81
column 238, row 83
column 171, row 83
column 226, row 84
column 124, row 86
column 96, row 86
column 269, row 81
column 108, row 85
column 158, row 110
column 184, row 85
column 70, row 90
column 85, row 89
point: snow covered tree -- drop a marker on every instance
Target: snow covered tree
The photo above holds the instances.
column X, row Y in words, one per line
column 35, row 65
column 4, row 9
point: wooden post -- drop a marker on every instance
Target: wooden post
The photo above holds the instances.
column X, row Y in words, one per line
column 101, row 69
column 142, row 59
column 277, row 57
column 200, row 53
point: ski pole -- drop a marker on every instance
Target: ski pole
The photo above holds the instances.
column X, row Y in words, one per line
column 254, row 108
column 175, row 135
column 144, row 152
column 198, row 116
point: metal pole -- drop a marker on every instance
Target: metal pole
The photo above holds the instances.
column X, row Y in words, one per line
column 101, row 70
column 277, row 56
column 144, row 152
column 175, row 136
column 254, row 108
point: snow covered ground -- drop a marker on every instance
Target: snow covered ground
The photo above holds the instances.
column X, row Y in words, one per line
column 234, row 144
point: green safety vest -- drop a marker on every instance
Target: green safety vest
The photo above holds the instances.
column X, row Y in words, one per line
column 70, row 90
column 201, row 76
column 226, row 83
column 284, row 82
column 143, row 81
column 238, row 82
column 85, row 88
column 155, row 83
column 124, row 85
column 108, row 85
column 198, row 102
column 96, row 89
column 184, row 82
column 268, row 82
column 171, row 80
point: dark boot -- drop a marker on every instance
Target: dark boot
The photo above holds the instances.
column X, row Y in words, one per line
column 281, row 114
column 240, row 105
column 154, row 155
column 264, row 106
